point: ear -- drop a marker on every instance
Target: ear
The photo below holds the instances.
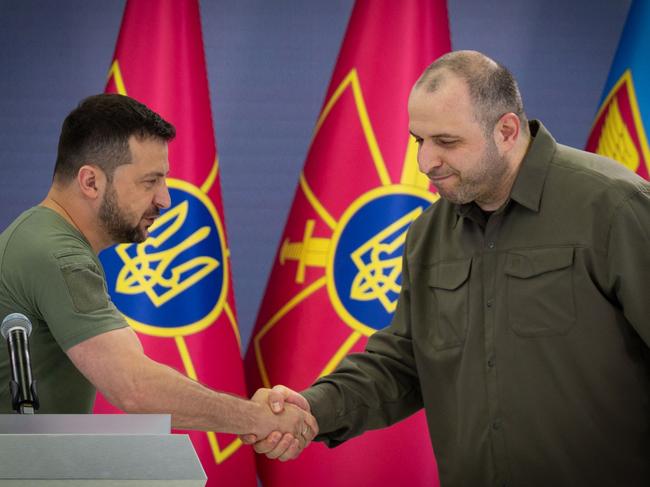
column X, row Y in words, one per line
column 91, row 181
column 507, row 131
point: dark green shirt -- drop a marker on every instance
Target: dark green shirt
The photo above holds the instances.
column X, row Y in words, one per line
column 49, row 273
column 524, row 335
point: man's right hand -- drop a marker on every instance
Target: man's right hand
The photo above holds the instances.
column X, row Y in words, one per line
column 282, row 400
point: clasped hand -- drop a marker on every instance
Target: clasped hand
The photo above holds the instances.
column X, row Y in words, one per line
column 286, row 428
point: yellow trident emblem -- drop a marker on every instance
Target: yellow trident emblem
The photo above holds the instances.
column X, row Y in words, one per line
column 146, row 271
column 378, row 276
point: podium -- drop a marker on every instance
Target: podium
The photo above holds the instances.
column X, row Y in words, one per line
column 95, row 450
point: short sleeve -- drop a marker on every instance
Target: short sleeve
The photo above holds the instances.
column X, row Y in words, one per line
column 73, row 300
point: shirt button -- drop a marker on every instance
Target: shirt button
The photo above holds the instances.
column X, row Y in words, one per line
column 491, row 362
column 491, row 245
column 489, row 303
column 496, row 425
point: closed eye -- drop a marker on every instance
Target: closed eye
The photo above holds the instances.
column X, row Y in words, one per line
column 149, row 183
column 446, row 142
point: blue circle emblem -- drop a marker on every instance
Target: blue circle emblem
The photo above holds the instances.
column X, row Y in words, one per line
column 366, row 266
column 172, row 283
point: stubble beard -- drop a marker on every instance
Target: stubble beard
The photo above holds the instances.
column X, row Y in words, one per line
column 484, row 183
column 115, row 223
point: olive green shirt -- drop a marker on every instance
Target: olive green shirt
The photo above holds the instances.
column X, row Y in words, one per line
column 49, row 272
column 524, row 335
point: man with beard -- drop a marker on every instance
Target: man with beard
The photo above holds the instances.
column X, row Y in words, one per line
column 523, row 323
column 108, row 187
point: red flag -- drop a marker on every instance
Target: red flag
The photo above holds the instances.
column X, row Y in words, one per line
column 619, row 130
column 337, row 273
column 175, row 289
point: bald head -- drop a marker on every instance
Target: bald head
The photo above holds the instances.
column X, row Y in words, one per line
column 492, row 89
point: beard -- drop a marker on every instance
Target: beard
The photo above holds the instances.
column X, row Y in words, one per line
column 116, row 223
column 483, row 182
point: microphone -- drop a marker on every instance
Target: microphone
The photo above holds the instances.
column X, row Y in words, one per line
column 15, row 329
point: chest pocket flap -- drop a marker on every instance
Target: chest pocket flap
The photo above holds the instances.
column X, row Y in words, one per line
column 450, row 275
column 539, row 285
column 448, row 303
column 534, row 262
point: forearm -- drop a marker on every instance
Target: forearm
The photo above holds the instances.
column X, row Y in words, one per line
column 160, row 389
column 115, row 363
column 365, row 392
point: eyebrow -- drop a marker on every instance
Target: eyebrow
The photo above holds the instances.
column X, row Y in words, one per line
column 157, row 174
column 437, row 136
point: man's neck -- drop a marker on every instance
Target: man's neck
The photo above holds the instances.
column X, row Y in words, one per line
column 63, row 204
column 515, row 159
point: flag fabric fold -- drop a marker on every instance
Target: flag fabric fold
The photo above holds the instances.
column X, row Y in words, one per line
column 619, row 128
column 337, row 273
column 175, row 289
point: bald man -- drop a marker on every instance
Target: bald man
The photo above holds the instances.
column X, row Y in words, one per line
column 523, row 322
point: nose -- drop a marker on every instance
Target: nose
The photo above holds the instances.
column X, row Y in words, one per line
column 162, row 198
column 428, row 158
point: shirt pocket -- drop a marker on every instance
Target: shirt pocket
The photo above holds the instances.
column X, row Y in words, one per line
column 84, row 281
column 449, row 303
column 539, row 291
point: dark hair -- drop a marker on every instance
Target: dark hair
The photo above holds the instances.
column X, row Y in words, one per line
column 98, row 132
column 492, row 88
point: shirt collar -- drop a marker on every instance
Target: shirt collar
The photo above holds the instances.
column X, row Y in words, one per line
column 529, row 184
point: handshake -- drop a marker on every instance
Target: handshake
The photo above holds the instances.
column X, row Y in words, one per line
column 282, row 430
